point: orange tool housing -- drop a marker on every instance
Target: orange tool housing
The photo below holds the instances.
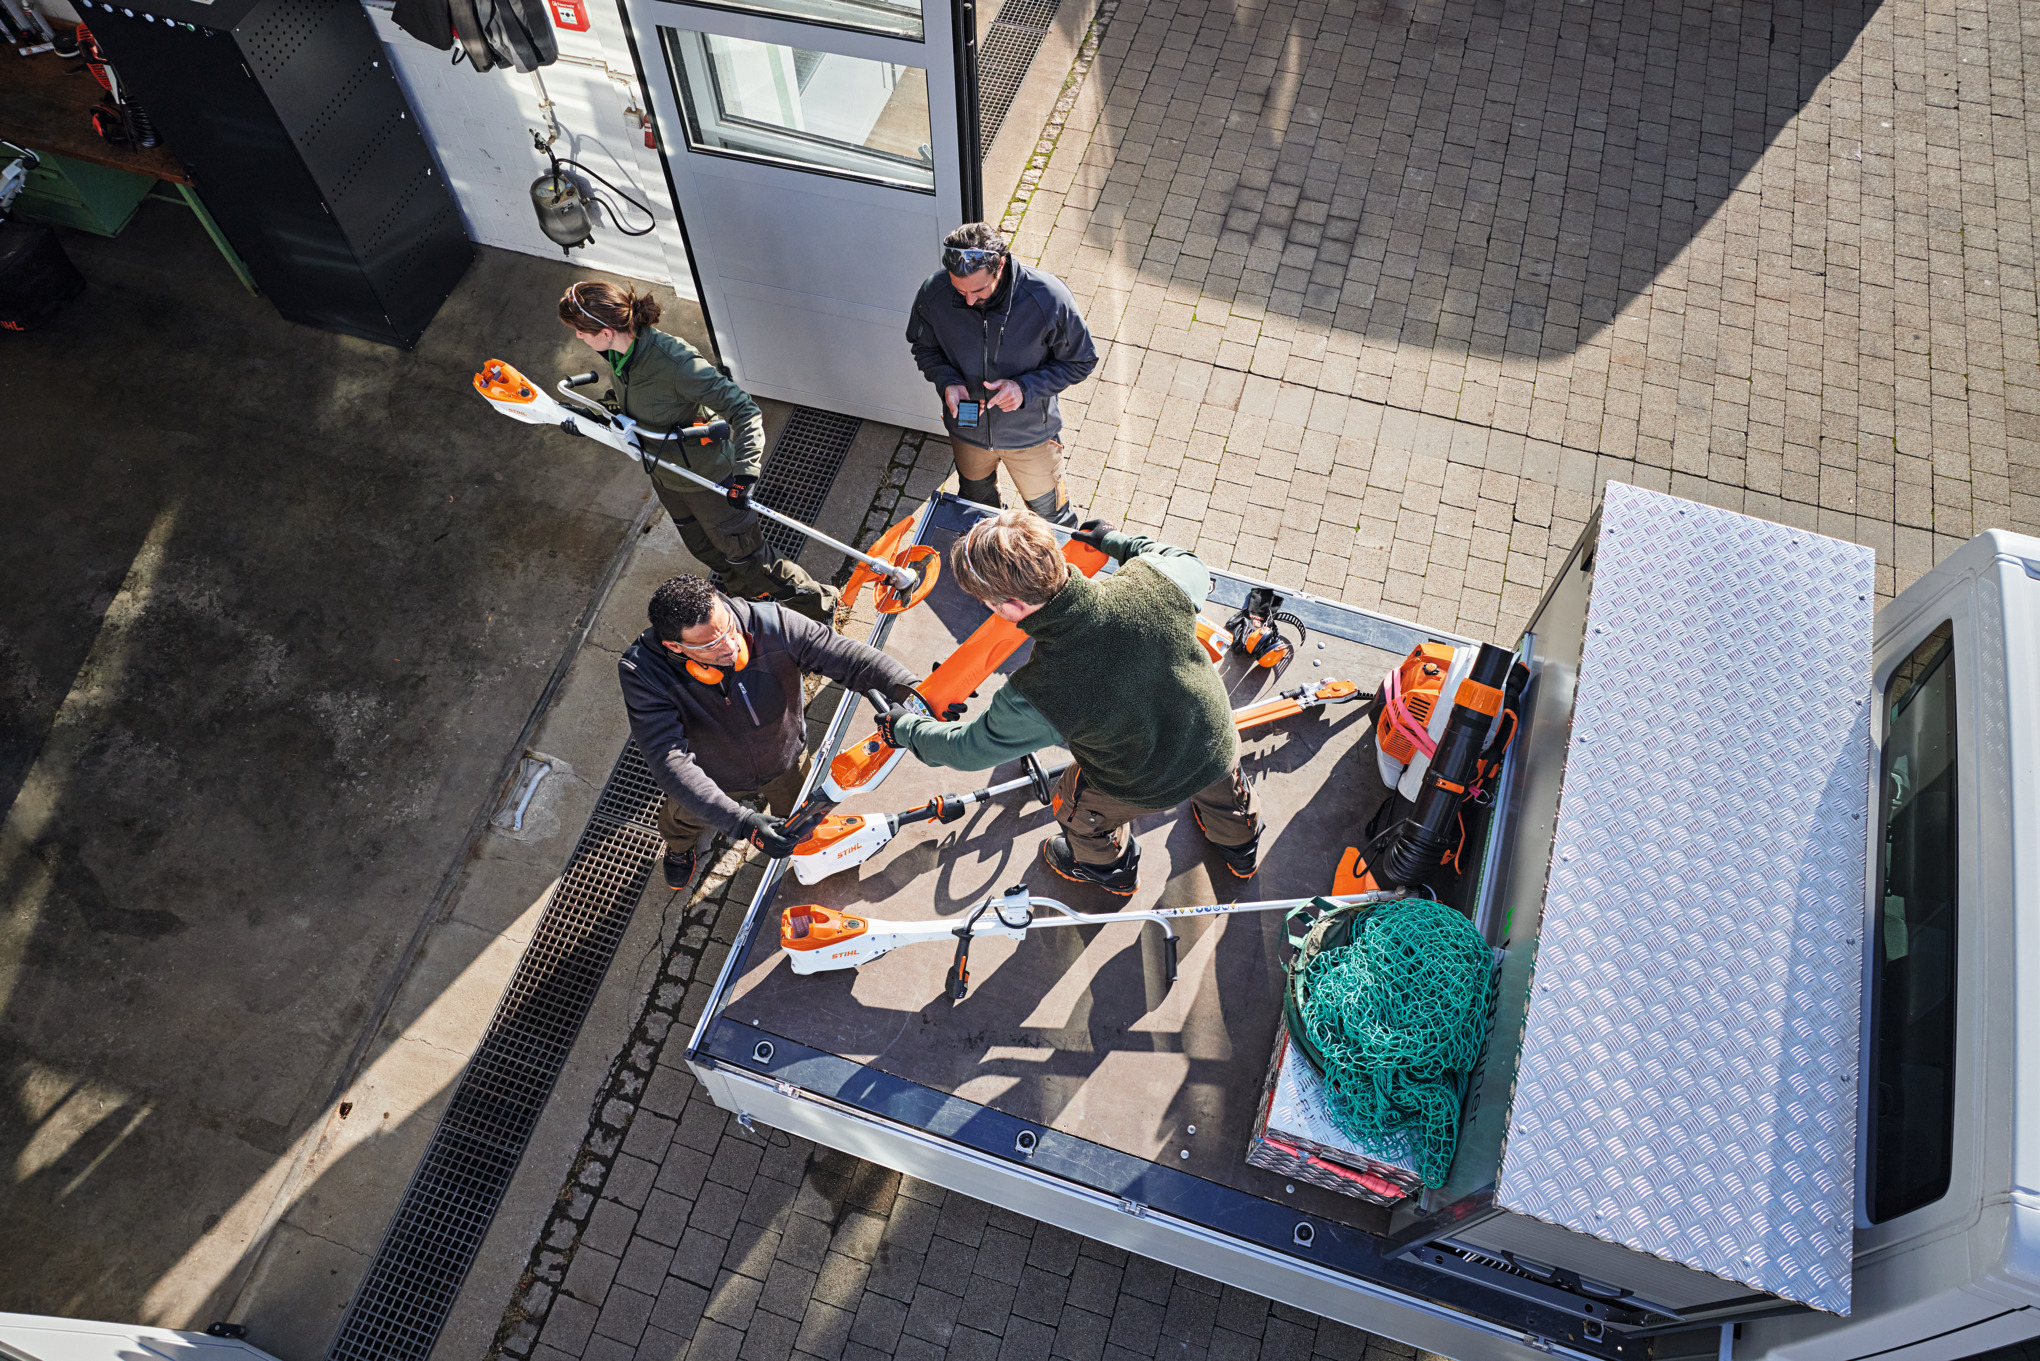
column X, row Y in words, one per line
column 500, row 383
column 805, row 926
column 1418, row 681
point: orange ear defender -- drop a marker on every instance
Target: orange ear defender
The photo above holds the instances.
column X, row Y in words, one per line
column 1256, row 630
column 713, row 675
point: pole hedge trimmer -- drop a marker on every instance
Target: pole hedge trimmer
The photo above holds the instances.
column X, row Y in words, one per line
column 842, row 841
column 819, row 939
column 900, row 581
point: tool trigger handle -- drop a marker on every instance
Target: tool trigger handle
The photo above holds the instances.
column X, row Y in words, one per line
column 958, row 981
column 1169, row 955
column 1044, row 792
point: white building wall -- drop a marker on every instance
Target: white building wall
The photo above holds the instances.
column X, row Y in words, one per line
column 480, row 127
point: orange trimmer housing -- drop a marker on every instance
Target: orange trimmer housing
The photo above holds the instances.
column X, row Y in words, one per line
column 806, row 926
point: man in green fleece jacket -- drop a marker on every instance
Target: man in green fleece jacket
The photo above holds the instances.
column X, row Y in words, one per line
column 1117, row 675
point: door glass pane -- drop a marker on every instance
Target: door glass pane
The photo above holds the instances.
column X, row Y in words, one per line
column 805, row 110
column 893, row 18
column 1912, row 967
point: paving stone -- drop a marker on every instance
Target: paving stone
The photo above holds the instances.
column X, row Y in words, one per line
column 609, row 1228
column 1094, row 1285
column 932, row 1314
column 715, row 1342
column 602, row 1348
column 569, row 1324
column 987, row 1304
column 589, row 1274
column 659, row 1345
column 879, row 1322
column 664, row 1217
column 1026, row 1340
column 734, row 1299
column 841, row 1280
column 971, row 1345
column 895, row 1272
column 629, row 1180
column 1137, row 1324
column 824, row 1329
column 699, row 1256
column 624, row 1314
column 648, row 1137
column 770, row 1338
column 1081, row 1335
column 1040, row 1295
column 679, row 1307
column 645, row 1265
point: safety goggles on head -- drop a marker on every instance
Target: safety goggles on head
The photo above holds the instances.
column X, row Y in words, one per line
column 964, row 261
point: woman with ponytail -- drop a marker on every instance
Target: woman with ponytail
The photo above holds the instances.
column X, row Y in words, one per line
column 664, row 384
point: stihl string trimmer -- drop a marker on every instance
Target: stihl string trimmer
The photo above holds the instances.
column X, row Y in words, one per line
column 901, row 579
column 863, row 765
column 817, row 939
column 842, row 841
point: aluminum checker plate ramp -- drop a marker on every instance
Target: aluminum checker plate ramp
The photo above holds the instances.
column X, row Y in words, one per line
column 1687, row 1086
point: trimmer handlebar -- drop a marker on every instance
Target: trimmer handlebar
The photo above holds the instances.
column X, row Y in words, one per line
column 580, row 380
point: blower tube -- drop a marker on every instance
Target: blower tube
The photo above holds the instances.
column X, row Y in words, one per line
column 1428, row 833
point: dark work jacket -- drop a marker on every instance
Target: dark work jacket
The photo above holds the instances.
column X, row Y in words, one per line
column 1029, row 331
column 702, row 739
column 667, row 385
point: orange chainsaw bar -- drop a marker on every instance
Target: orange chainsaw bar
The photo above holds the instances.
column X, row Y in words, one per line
column 963, row 671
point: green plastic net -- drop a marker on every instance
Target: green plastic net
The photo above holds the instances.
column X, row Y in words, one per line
column 1399, row 1016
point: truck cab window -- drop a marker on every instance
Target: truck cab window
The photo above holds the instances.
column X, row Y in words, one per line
column 1912, row 988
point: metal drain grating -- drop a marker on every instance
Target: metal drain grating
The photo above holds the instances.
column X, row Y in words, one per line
column 801, row 469
column 1003, row 58
column 410, row 1288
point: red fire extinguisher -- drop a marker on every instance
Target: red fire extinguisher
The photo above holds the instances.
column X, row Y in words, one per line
column 570, row 14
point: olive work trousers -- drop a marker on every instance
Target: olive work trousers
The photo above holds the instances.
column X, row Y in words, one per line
column 1226, row 811
column 730, row 541
column 682, row 829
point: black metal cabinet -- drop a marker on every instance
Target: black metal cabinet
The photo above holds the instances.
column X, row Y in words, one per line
column 298, row 135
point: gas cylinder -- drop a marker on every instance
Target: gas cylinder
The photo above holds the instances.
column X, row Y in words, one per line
column 562, row 212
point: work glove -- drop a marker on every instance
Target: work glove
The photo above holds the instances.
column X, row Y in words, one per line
column 1093, row 532
column 886, row 719
column 609, row 400
column 738, row 488
column 905, row 690
column 768, row 834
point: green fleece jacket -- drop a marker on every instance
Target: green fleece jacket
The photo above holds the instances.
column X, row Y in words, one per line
column 663, row 383
column 1112, row 677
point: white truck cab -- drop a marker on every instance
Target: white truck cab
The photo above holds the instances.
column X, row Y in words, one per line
column 1947, row 1241
column 1759, row 874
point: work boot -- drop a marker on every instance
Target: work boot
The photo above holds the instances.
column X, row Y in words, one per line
column 983, row 490
column 679, row 867
column 1118, row 877
column 1241, row 860
column 1055, row 508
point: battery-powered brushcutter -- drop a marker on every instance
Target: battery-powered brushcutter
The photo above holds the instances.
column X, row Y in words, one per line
column 900, row 581
column 842, row 841
column 819, row 939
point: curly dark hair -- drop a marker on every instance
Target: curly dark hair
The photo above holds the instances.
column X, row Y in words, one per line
column 681, row 604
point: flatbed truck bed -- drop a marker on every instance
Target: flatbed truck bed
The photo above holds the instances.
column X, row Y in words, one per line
column 1067, row 1082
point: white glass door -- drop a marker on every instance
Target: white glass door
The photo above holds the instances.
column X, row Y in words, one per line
column 818, row 155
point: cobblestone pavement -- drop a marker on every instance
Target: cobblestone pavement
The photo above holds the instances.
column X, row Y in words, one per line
column 1385, row 296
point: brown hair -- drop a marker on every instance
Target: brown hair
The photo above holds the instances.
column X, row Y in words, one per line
column 593, row 306
column 1011, row 556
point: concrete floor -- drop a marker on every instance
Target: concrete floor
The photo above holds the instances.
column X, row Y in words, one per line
column 280, row 606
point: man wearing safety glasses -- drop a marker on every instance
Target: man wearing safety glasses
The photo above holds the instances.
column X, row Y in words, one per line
column 716, row 707
column 999, row 340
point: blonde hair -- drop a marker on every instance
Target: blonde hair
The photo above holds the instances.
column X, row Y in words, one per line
column 1011, row 556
